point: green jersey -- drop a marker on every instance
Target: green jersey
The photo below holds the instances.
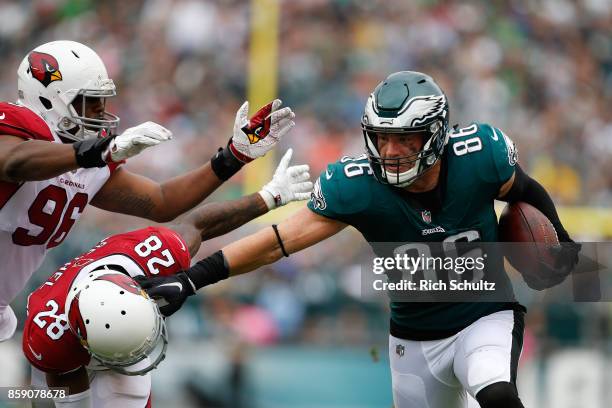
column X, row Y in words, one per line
column 477, row 161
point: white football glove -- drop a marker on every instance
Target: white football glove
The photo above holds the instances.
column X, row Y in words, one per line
column 254, row 137
column 288, row 184
column 135, row 139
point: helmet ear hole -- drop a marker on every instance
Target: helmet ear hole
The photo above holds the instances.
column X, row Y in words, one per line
column 45, row 102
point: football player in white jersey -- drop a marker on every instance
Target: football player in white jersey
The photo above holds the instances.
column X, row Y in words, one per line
column 59, row 151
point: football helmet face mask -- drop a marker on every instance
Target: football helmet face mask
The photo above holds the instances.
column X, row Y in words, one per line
column 53, row 75
column 405, row 103
column 115, row 320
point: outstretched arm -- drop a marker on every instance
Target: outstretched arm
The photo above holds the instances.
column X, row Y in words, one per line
column 301, row 230
column 22, row 160
column 214, row 219
column 27, row 160
column 132, row 194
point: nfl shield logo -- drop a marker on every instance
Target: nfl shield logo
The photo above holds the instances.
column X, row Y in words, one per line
column 399, row 350
column 426, row 216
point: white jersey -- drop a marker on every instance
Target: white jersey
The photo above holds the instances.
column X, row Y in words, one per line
column 37, row 215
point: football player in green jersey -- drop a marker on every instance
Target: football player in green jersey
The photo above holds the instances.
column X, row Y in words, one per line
column 419, row 181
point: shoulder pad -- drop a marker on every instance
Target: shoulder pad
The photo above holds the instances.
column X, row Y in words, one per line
column 343, row 188
column 18, row 120
column 487, row 150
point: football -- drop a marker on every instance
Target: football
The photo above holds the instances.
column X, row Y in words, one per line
column 523, row 223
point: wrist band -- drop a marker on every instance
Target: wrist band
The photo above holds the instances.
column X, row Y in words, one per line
column 89, row 152
column 280, row 241
column 268, row 199
column 225, row 164
column 208, row 271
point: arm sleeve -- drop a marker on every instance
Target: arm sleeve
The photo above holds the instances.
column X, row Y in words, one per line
column 208, row 271
column 526, row 189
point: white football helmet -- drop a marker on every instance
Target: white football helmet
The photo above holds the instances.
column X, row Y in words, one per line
column 117, row 322
column 51, row 77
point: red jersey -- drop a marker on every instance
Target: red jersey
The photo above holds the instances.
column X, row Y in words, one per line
column 48, row 343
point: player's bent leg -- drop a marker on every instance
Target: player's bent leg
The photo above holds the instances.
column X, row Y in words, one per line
column 38, row 380
column 421, row 374
column 487, row 354
column 499, row 395
column 110, row 389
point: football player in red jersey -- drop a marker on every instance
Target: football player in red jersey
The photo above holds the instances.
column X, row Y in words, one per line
column 59, row 152
column 91, row 313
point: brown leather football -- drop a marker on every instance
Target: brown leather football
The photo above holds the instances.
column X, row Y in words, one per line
column 521, row 222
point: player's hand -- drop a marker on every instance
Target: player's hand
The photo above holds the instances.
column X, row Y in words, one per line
column 288, row 184
column 566, row 255
column 135, row 139
column 566, row 258
column 254, row 137
column 545, row 277
column 170, row 292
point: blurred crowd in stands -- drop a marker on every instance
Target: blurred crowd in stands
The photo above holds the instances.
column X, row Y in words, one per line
column 541, row 70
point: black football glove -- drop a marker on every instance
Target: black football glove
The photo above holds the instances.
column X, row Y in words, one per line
column 566, row 255
column 566, row 258
column 170, row 292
